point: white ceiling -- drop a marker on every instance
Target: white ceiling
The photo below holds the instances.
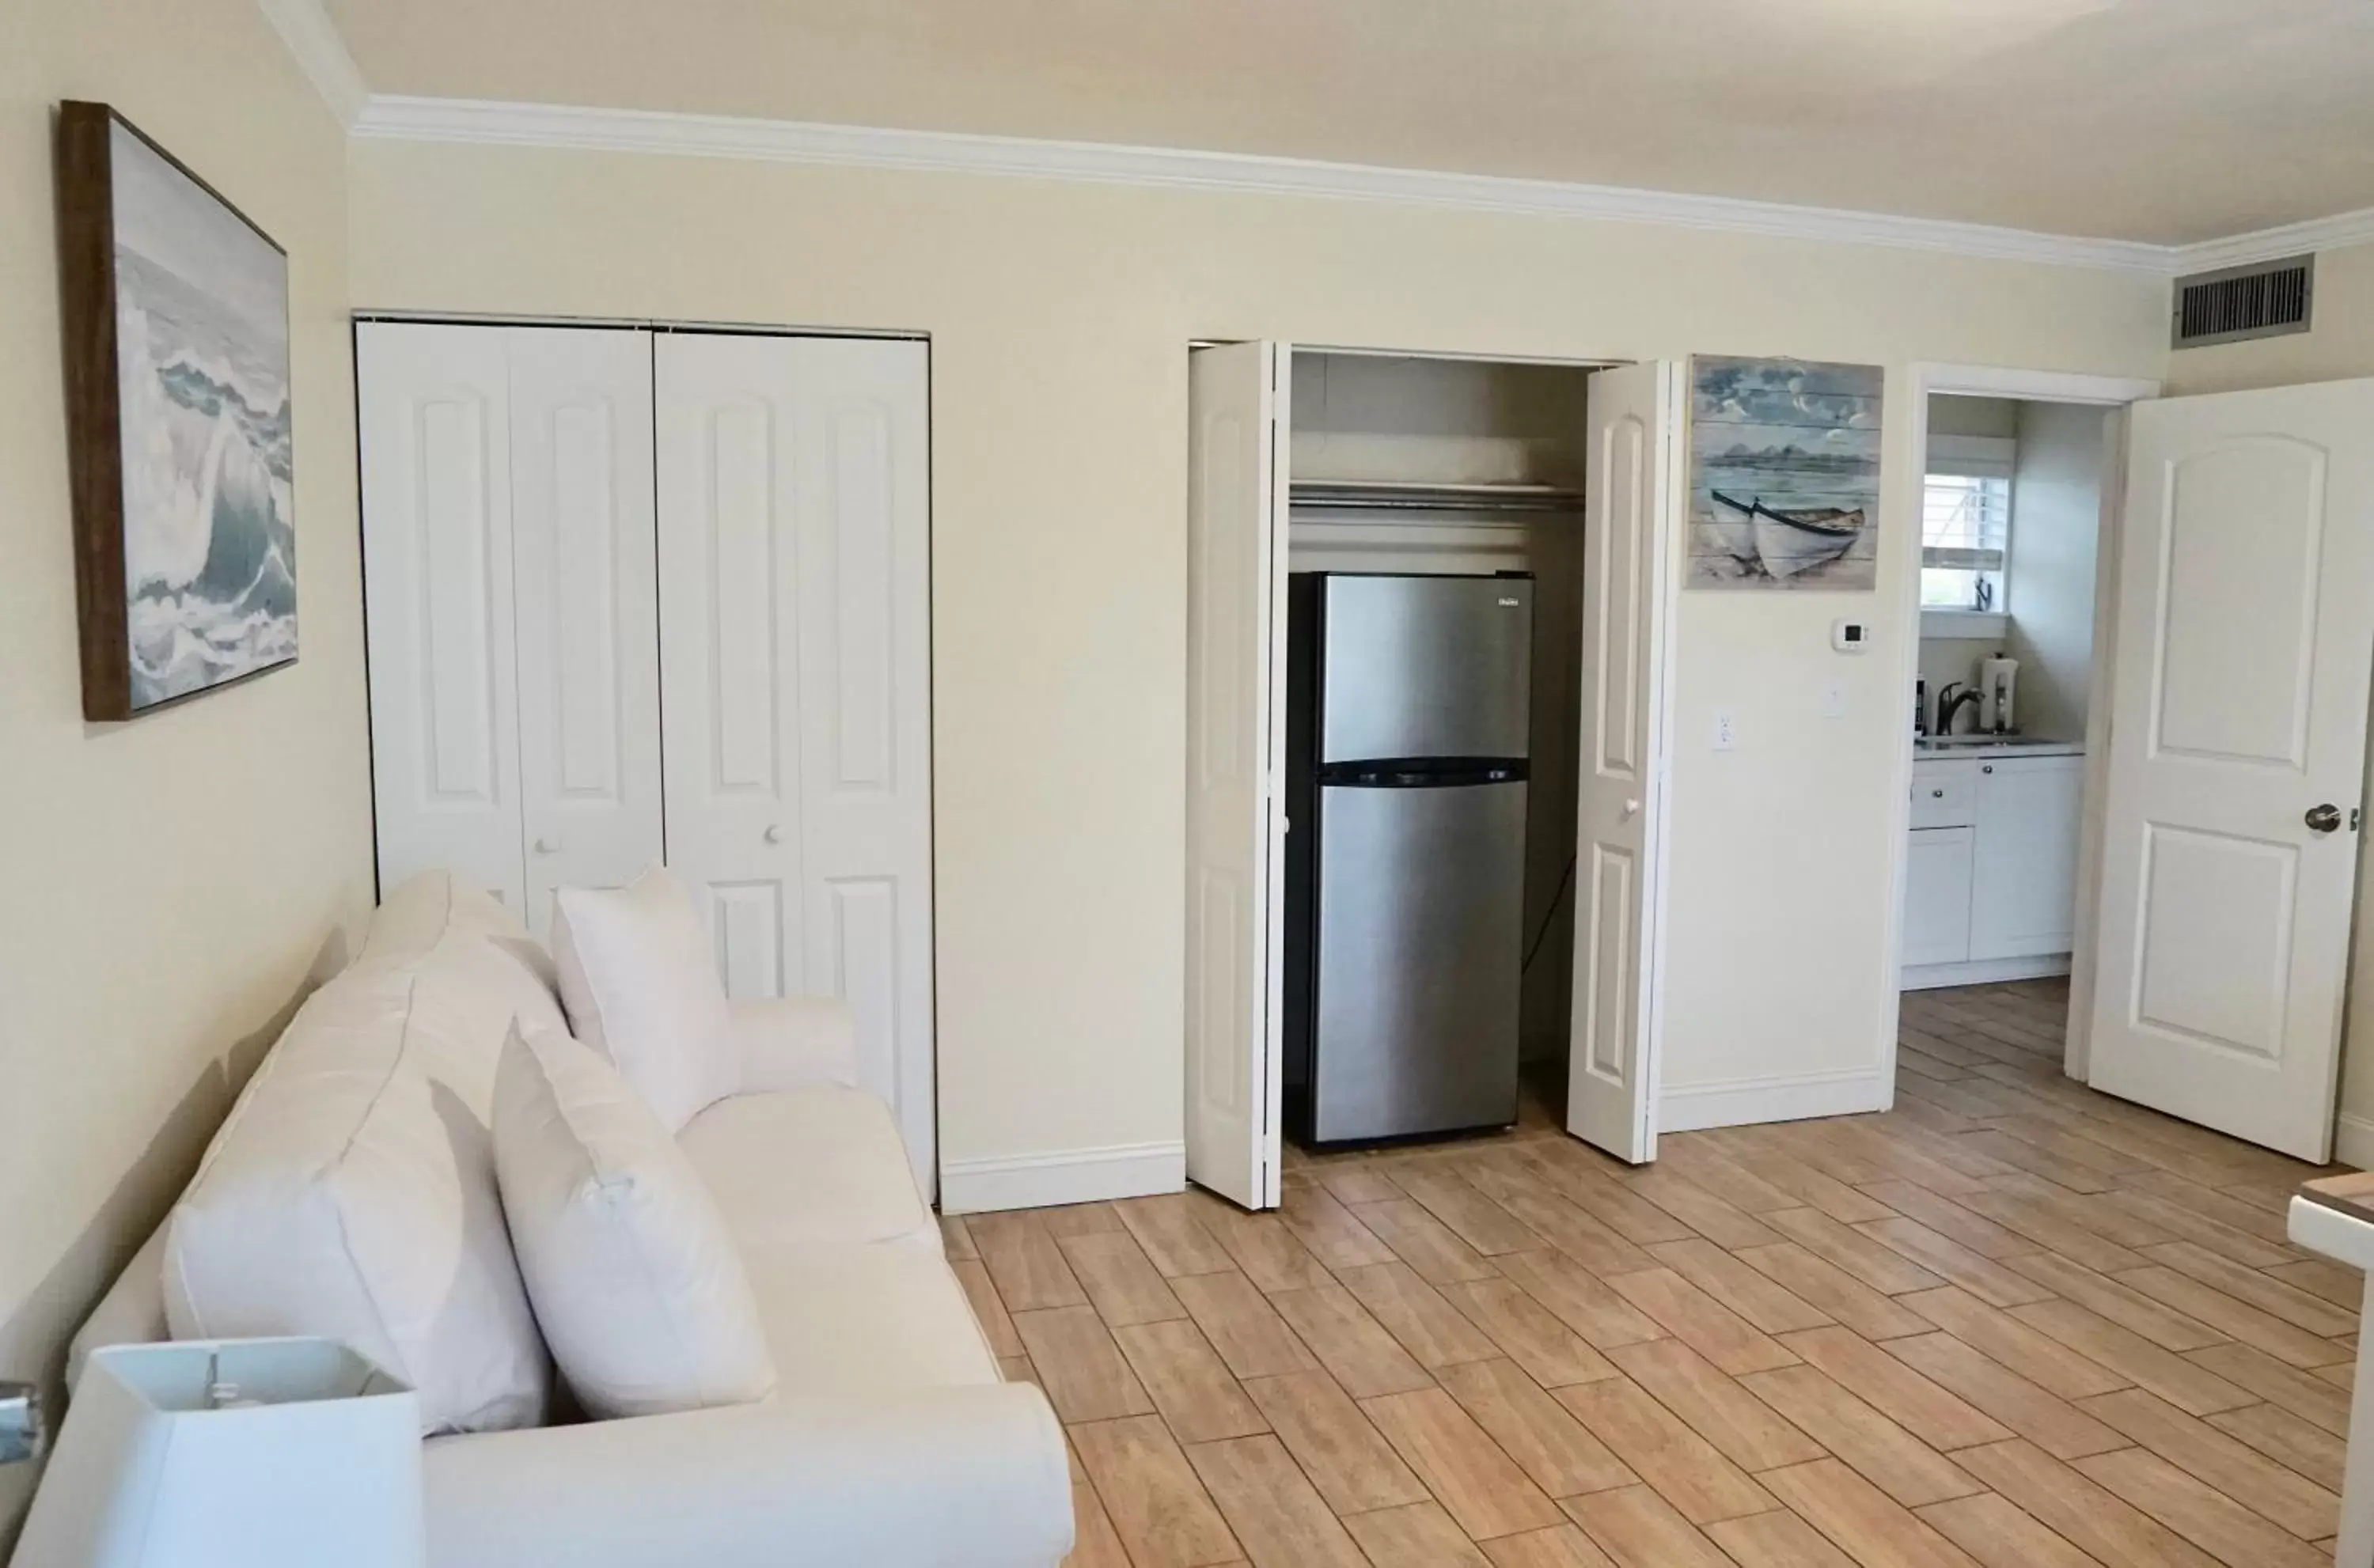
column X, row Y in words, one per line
column 2163, row 121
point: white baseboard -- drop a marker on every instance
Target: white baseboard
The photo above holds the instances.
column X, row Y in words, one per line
column 1741, row 1102
column 1993, row 971
column 2353, row 1142
column 1067, row 1176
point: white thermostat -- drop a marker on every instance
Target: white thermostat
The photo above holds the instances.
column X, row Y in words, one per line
column 1850, row 636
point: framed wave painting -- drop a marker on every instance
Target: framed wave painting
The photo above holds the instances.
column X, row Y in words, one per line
column 176, row 315
column 1784, row 474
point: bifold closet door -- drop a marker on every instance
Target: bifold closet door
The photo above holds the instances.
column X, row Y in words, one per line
column 511, row 605
column 586, row 601
column 794, row 505
column 434, row 412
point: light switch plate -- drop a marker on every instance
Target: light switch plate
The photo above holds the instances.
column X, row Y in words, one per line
column 1833, row 699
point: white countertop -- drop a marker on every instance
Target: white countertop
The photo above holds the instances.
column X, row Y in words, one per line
column 2010, row 745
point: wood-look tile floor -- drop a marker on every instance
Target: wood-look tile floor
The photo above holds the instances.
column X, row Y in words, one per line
column 2010, row 1324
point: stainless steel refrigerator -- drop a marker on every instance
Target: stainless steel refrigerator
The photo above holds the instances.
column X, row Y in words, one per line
column 1408, row 714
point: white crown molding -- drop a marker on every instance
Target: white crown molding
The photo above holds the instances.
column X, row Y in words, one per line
column 391, row 118
column 321, row 53
column 2332, row 233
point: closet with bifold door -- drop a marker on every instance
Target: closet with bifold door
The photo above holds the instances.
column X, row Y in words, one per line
column 637, row 594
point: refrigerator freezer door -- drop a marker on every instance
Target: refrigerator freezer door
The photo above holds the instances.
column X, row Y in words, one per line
column 1421, row 902
column 1426, row 666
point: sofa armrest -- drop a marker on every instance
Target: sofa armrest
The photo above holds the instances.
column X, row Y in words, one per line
column 795, row 1042
column 957, row 1477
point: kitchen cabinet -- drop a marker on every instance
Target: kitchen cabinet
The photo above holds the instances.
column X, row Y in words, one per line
column 1937, row 896
column 2024, row 866
column 1991, row 871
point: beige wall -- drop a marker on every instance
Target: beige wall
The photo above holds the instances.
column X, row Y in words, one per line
column 1951, row 414
column 169, row 882
column 2339, row 346
column 1060, row 316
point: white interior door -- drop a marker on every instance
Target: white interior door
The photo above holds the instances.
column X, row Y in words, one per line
column 434, row 415
column 794, row 625
column 2246, row 630
column 1628, row 538
column 1238, row 398
column 587, row 627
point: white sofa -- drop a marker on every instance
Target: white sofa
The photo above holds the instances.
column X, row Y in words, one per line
column 892, row 1439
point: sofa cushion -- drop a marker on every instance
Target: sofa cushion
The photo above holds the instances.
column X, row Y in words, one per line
column 820, row 1166
column 640, row 984
column 351, row 1195
column 351, row 1191
column 865, row 1319
column 469, row 948
column 633, row 1272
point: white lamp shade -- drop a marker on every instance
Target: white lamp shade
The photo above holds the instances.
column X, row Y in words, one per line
column 324, row 1467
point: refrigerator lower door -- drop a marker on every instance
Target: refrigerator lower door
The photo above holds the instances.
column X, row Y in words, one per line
column 1421, row 907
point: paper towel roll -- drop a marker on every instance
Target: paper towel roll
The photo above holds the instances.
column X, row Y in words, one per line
column 1998, row 677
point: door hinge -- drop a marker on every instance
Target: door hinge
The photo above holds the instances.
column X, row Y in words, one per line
column 2352, row 819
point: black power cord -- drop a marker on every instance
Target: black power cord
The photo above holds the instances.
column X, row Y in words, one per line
column 1549, row 919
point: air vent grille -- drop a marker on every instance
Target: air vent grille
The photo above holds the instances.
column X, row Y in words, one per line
column 2267, row 300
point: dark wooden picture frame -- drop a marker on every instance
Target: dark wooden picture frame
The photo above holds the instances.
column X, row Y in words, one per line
column 210, row 488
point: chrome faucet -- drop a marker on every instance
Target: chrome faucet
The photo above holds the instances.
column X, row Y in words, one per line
column 1950, row 699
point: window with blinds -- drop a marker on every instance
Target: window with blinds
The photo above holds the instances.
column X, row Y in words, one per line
column 1966, row 523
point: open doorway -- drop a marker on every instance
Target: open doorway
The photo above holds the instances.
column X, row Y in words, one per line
column 2012, row 520
column 2012, row 507
column 2222, row 774
column 1476, row 560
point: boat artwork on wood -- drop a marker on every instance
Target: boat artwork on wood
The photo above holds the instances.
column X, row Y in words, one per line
column 1784, row 474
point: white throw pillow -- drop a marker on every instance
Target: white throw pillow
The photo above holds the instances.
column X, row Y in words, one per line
column 641, row 986
column 635, row 1279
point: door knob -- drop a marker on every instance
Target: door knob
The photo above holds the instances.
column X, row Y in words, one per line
column 548, row 846
column 1631, row 808
column 2323, row 819
column 774, row 835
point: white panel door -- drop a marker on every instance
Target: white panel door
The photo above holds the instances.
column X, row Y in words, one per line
column 2245, row 632
column 2024, row 884
column 863, row 493
column 794, row 625
column 587, row 611
column 1237, row 395
column 435, row 430
column 1628, row 539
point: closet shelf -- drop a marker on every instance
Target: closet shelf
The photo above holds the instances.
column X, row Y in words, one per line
column 1362, row 495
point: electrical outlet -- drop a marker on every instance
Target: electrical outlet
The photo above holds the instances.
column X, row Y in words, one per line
column 1833, row 699
column 1726, row 731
